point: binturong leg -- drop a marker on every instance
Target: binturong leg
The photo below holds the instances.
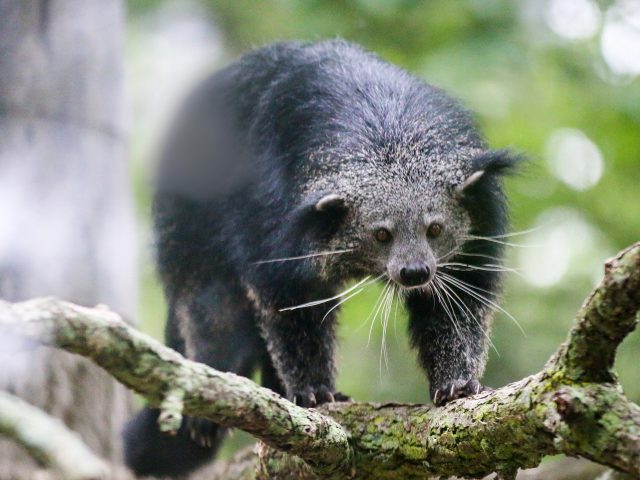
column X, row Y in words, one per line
column 451, row 335
column 301, row 346
column 214, row 326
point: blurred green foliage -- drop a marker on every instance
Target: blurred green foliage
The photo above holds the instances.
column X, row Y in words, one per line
column 524, row 82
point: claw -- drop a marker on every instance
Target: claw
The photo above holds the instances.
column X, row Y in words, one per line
column 341, row 397
column 310, row 397
column 455, row 390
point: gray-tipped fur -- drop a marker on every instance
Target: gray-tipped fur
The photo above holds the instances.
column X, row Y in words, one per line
column 294, row 170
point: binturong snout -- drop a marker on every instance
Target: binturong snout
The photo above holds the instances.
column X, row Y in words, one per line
column 415, row 273
column 411, row 262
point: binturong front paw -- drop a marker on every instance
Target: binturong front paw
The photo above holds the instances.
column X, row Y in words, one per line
column 456, row 389
column 314, row 396
column 203, row 432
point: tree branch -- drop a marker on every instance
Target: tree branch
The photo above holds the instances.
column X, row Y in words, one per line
column 177, row 385
column 572, row 406
column 606, row 318
column 48, row 441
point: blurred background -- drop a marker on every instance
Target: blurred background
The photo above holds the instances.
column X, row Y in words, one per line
column 556, row 79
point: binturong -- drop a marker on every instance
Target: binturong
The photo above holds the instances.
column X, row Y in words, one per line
column 297, row 169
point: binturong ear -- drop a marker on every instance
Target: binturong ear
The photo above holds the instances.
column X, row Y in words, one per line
column 321, row 213
column 489, row 165
column 329, row 202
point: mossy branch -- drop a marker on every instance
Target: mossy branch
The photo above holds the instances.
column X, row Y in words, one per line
column 177, row 385
column 606, row 318
column 573, row 406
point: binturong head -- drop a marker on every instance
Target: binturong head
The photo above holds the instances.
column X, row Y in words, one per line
column 407, row 236
column 432, row 215
column 405, row 220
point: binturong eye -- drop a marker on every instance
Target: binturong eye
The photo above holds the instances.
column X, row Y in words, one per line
column 382, row 235
column 434, row 230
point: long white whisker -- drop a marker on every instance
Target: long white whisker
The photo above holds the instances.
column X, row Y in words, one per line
column 490, row 238
column 302, row 257
column 485, row 266
column 385, row 320
column 463, row 306
column 458, row 251
column 469, row 289
column 325, row 300
column 505, row 269
column 377, row 300
column 351, row 296
column 430, row 290
column 395, row 314
column 447, row 297
column 387, row 316
column 440, row 294
column 450, row 309
column 474, row 287
column 376, row 309
column 456, row 248
column 340, row 303
column 494, row 240
column 513, row 234
column 481, row 255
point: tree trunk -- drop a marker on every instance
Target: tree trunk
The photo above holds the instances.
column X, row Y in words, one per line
column 66, row 223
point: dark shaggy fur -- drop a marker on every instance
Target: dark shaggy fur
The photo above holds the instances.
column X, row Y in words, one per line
column 306, row 148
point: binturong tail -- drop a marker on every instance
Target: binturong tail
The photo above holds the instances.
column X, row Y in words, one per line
column 150, row 452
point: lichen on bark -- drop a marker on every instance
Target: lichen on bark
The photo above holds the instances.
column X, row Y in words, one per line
column 573, row 405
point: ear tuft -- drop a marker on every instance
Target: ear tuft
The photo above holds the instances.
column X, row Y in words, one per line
column 497, row 162
column 331, row 201
column 492, row 163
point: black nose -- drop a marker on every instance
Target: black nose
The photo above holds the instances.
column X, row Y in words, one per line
column 415, row 273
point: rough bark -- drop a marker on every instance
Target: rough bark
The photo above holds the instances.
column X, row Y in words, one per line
column 573, row 406
column 605, row 319
column 177, row 385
